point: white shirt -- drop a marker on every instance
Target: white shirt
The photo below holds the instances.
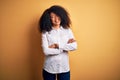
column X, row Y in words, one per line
column 56, row 60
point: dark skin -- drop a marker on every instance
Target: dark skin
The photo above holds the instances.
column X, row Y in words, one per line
column 56, row 46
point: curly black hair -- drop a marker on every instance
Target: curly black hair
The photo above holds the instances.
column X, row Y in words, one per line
column 45, row 24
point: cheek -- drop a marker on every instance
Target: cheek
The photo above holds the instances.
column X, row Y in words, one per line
column 59, row 19
column 52, row 20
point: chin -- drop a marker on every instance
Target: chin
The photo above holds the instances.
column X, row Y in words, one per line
column 56, row 24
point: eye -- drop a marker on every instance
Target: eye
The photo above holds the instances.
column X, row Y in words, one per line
column 52, row 17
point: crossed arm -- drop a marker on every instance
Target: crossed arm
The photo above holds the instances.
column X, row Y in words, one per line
column 56, row 46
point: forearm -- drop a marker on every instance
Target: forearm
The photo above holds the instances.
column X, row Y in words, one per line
column 51, row 51
column 69, row 47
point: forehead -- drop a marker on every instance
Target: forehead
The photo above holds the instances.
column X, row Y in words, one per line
column 52, row 14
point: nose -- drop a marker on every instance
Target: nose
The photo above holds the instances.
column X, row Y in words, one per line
column 57, row 19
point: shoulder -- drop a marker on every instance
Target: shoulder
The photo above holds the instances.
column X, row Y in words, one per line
column 68, row 29
column 44, row 33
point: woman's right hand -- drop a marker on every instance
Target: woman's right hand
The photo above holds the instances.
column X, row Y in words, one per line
column 56, row 46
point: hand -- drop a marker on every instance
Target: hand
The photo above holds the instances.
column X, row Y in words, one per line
column 56, row 46
column 71, row 40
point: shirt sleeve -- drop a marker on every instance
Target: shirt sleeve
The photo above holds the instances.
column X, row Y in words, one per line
column 69, row 46
column 46, row 49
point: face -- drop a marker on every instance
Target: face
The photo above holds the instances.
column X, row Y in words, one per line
column 55, row 19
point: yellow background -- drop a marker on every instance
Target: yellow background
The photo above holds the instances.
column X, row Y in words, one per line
column 96, row 26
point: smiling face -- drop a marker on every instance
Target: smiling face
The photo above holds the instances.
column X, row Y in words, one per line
column 55, row 19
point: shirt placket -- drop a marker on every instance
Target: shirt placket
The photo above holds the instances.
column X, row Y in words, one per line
column 58, row 41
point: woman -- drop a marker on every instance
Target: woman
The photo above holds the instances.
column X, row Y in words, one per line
column 57, row 40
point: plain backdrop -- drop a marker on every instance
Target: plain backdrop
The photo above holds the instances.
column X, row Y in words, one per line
column 95, row 24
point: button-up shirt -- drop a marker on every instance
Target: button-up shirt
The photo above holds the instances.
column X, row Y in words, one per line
column 57, row 60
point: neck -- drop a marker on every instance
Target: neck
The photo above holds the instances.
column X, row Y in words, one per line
column 56, row 26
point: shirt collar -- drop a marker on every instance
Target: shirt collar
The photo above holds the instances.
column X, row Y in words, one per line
column 58, row 29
